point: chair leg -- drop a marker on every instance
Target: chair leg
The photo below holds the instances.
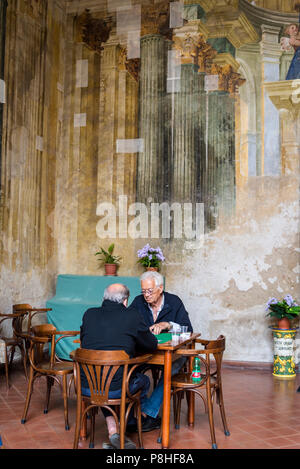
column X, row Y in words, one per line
column 12, row 354
column 78, row 423
column 222, row 410
column 92, row 431
column 211, row 418
column 139, row 425
column 179, row 398
column 6, row 368
column 50, row 382
column 65, row 396
column 24, row 359
column 29, row 393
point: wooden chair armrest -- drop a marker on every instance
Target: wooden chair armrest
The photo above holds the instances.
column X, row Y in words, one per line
column 188, row 352
column 67, row 333
column 140, row 359
column 202, row 341
column 135, row 362
column 64, row 334
column 12, row 315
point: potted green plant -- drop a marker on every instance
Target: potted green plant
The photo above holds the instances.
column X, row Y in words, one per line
column 284, row 311
column 150, row 258
column 110, row 261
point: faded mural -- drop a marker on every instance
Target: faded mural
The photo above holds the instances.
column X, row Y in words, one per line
column 173, row 123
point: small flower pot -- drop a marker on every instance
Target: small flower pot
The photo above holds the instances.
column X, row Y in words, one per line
column 284, row 323
column 110, row 269
column 152, row 269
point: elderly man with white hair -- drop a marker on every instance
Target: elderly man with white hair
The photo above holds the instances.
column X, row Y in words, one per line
column 162, row 312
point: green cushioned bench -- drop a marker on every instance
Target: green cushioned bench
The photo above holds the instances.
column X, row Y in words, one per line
column 74, row 295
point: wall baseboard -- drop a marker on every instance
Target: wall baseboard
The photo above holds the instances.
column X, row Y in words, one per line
column 262, row 366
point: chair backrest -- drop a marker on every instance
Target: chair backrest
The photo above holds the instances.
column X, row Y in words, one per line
column 21, row 307
column 99, row 367
column 215, row 348
column 29, row 313
column 40, row 336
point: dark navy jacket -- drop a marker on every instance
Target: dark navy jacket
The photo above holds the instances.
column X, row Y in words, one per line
column 114, row 327
column 173, row 310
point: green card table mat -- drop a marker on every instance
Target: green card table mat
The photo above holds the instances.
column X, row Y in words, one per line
column 163, row 337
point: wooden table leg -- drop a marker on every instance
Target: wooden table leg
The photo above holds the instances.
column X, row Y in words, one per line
column 191, row 397
column 167, row 400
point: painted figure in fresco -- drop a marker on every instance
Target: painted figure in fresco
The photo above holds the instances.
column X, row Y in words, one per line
column 293, row 30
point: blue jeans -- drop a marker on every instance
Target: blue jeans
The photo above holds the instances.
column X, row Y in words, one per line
column 138, row 381
column 151, row 405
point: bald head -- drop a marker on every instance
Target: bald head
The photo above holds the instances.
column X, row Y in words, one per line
column 116, row 292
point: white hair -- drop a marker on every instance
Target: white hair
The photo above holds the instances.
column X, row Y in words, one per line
column 158, row 278
column 118, row 296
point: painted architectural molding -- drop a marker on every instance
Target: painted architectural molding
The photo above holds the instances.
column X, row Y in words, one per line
column 132, row 66
column 92, row 31
column 285, row 95
column 155, row 19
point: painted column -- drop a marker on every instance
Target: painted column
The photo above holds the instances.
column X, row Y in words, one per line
column 3, row 7
column 220, row 194
column 184, row 183
column 152, row 118
column 221, row 170
column 270, row 56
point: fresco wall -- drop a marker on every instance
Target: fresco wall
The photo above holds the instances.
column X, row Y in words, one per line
column 171, row 123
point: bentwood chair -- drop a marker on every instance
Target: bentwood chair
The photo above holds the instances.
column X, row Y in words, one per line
column 22, row 326
column 99, row 367
column 50, row 366
column 11, row 343
column 211, row 382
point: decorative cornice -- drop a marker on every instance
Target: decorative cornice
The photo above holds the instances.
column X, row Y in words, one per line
column 92, row 31
column 187, row 48
column 206, row 55
column 193, row 49
column 285, row 95
column 259, row 16
column 132, row 66
column 233, row 25
column 229, row 80
column 156, row 19
column 227, row 59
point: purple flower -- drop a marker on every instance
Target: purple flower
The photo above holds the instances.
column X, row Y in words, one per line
column 149, row 253
column 271, row 301
column 289, row 300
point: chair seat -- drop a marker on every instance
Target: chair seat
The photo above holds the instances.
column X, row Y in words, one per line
column 113, row 401
column 59, row 368
column 184, row 380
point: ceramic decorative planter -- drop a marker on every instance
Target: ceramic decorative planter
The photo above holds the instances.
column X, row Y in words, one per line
column 284, row 365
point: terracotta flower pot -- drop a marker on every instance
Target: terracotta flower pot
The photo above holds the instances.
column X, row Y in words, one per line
column 152, row 269
column 110, row 269
column 284, row 323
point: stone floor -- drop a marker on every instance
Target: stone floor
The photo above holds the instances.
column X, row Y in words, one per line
column 262, row 412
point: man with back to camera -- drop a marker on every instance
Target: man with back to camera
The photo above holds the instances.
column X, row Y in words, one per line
column 113, row 326
column 162, row 312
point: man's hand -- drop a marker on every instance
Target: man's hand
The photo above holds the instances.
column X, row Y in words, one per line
column 159, row 327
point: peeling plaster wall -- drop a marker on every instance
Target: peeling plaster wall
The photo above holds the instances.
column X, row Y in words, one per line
column 226, row 283
column 50, row 198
